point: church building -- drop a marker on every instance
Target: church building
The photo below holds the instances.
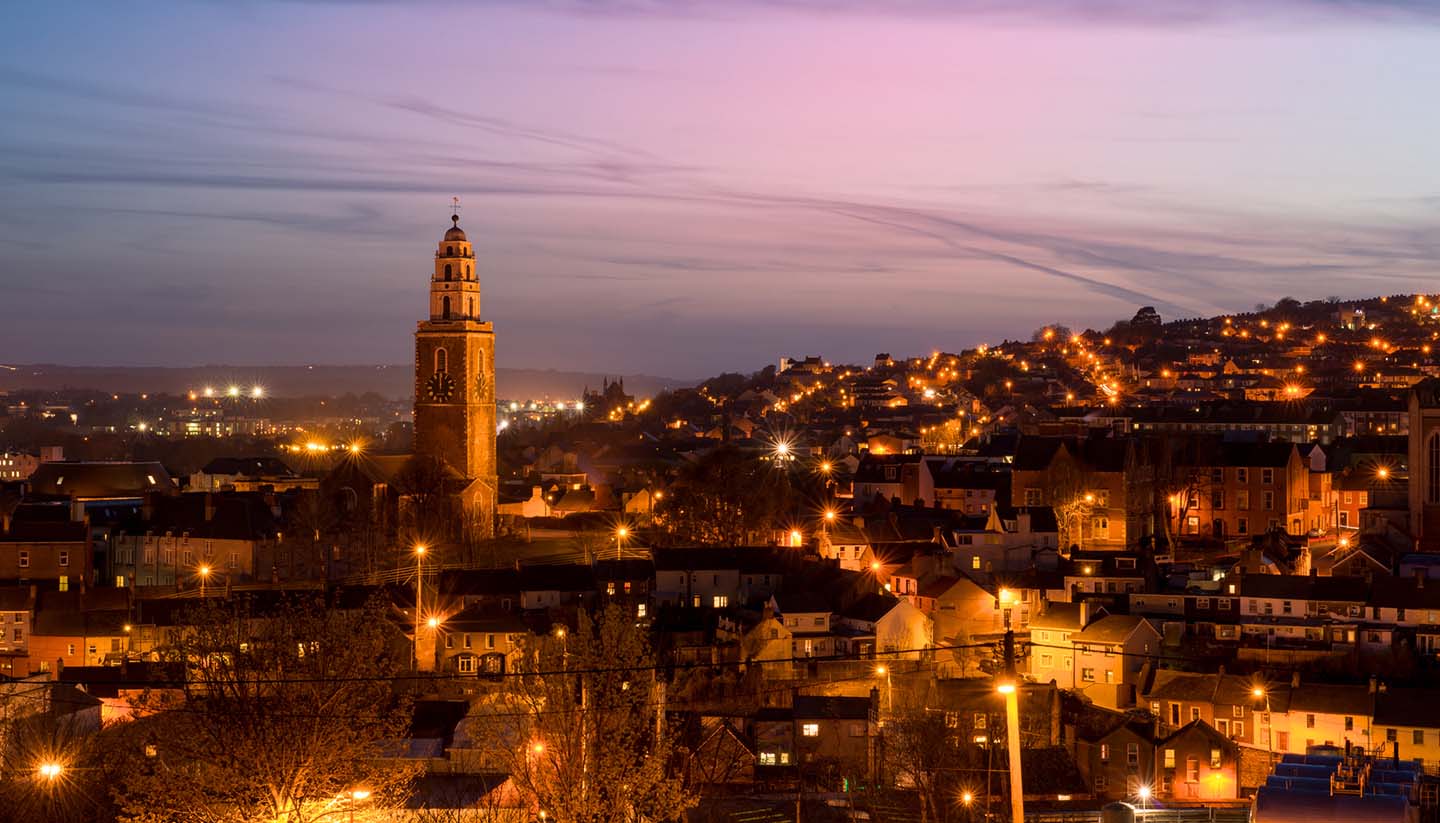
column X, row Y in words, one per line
column 455, row 380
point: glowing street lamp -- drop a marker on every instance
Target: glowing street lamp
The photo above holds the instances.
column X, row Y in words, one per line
column 621, row 532
column 51, row 771
column 356, row 796
column 233, row 391
column 204, row 572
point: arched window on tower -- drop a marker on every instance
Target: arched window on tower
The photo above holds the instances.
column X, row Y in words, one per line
column 447, row 271
column 1432, row 469
column 449, row 251
column 467, row 271
column 442, row 360
column 445, row 308
column 470, row 307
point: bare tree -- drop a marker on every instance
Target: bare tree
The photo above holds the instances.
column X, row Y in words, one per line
column 588, row 741
column 283, row 715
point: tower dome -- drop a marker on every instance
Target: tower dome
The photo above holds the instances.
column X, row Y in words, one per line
column 455, row 232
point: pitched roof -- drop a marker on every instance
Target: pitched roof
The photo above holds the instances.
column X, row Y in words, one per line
column 1114, row 628
column 100, row 479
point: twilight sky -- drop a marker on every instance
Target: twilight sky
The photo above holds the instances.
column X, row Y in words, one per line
column 683, row 187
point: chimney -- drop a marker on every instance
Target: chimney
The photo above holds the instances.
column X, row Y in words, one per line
column 1084, row 613
column 1295, row 680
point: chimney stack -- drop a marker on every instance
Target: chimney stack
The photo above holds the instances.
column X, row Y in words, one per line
column 1084, row 613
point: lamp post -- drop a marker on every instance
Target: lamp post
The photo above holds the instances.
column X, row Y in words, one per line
column 620, row 534
column 204, row 578
column 884, row 671
column 1259, row 693
column 419, row 591
column 1009, row 686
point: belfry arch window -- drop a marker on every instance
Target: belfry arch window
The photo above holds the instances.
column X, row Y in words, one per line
column 467, row 271
column 445, row 308
column 447, row 271
column 470, row 307
column 449, row 251
column 442, row 360
column 1432, row 468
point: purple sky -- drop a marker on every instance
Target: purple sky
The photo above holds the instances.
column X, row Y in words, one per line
column 684, row 187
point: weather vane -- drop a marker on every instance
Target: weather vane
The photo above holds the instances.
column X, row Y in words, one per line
column 455, row 206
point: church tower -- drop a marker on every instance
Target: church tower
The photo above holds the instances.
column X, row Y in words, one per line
column 455, row 378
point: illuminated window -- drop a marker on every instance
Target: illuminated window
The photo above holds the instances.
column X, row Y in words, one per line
column 810, row 730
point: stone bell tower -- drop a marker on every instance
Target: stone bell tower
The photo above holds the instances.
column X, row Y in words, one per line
column 455, row 378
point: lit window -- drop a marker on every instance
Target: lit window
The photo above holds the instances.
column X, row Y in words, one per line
column 810, row 730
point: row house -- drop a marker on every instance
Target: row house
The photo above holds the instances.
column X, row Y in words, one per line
column 1310, row 596
column 1197, row 763
column 1004, row 540
column 1225, row 701
column 903, row 477
column 236, row 537
column 973, row 489
column 1115, row 752
column 1110, row 655
column 44, row 543
column 821, row 739
column 1248, row 488
column 1097, row 487
column 1109, row 573
column 480, row 641
column 1297, row 423
column 17, row 616
column 1411, row 605
column 885, row 626
column 716, row 578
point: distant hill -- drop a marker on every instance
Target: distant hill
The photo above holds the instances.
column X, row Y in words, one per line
column 294, row 381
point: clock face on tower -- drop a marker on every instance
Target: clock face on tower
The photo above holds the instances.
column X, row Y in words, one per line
column 480, row 387
column 440, row 386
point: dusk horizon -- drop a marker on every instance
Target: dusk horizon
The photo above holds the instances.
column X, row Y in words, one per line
column 733, row 180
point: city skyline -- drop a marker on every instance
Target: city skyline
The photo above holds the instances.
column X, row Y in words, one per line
column 676, row 190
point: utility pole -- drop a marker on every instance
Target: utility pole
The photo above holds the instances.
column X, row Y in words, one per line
column 1009, row 686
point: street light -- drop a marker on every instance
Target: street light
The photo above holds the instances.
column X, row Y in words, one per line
column 51, row 771
column 884, row 672
column 1260, row 693
column 204, row 578
column 620, row 534
column 356, row 796
column 419, row 598
column 1144, row 794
